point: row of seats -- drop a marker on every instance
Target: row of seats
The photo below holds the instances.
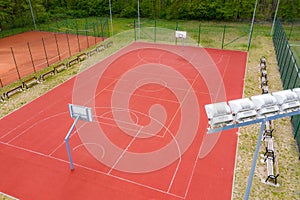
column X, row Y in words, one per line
column 269, row 155
column 33, row 80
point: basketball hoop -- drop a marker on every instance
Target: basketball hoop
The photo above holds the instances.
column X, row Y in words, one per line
column 180, row 35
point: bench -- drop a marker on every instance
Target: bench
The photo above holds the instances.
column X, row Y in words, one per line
column 264, row 81
column 81, row 57
column 47, row 74
column 268, row 134
column 264, row 74
column 269, row 149
column 72, row 62
column 270, row 170
column 269, row 125
column 262, row 66
column 265, row 90
column 100, row 48
column 13, row 91
column 59, row 68
column 92, row 52
column 30, row 82
column 109, row 44
column 263, row 60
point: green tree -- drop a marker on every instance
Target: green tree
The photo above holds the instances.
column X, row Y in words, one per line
column 16, row 13
column 5, row 10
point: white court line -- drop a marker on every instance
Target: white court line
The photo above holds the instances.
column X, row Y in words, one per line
column 150, row 97
column 90, row 143
column 129, row 181
column 222, row 56
column 83, row 87
column 193, row 171
column 144, row 59
column 125, row 150
column 172, row 120
column 197, row 157
column 33, row 152
column 119, row 177
column 91, row 169
column 32, row 125
column 108, row 77
column 196, row 160
column 125, row 122
column 61, row 144
column 139, row 131
column 118, row 109
column 6, row 195
column 189, row 90
column 33, row 115
column 177, row 167
column 129, row 129
column 225, row 69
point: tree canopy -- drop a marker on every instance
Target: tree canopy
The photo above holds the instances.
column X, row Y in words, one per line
column 14, row 13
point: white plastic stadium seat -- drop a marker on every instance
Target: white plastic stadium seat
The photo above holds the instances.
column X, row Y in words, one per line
column 265, row 104
column 218, row 114
column 287, row 100
column 242, row 109
column 297, row 91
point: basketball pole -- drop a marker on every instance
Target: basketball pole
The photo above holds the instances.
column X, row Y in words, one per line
column 67, row 142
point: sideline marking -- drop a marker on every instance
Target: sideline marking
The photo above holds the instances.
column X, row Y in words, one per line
column 125, row 150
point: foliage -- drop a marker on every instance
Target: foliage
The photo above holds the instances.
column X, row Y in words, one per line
column 16, row 13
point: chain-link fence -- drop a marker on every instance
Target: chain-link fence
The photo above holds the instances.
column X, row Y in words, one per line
column 289, row 69
column 213, row 35
column 93, row 26
column 26, row 53
column 61, row 39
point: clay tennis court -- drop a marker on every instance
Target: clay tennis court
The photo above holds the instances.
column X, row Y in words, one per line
column 34, row 50
column 148, row 136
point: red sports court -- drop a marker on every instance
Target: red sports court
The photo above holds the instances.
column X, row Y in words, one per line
column 148, row 136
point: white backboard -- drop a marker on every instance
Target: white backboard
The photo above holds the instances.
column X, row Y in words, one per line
column 180, row 34
column 84, row 113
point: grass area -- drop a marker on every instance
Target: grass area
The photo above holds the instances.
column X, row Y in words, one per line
column 293, row 35
column 211, row 35
column 6, row 197
column 15, row 31
column 296, row 51
column 285, row 146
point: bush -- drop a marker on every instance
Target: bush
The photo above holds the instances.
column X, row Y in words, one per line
column 128, row 12
column 77, row 13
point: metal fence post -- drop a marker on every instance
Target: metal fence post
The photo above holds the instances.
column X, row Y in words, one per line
column 13, row 55
column 68, row 42
column 287, row 66
column 31, row 57
column 134, row 26
column 199, row 32
column 58, row 52
column 155, row 31
column 223, row 38
column 45, row 52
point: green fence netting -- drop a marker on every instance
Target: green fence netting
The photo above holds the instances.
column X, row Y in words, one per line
column 289, row 69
